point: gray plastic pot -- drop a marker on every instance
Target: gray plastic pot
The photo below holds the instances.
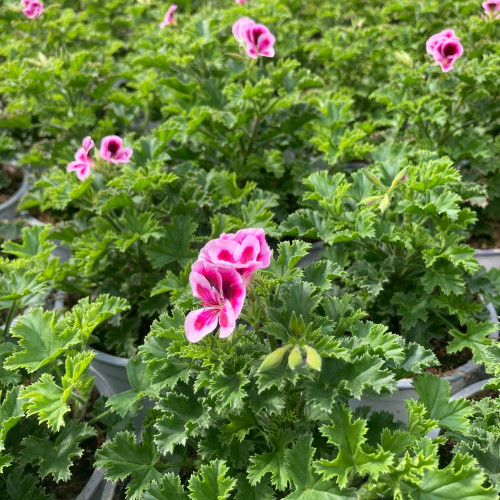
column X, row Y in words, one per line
column 8, row 209
column 459, row 379
column 490, row 259
column 113, row 369
column 314, row 254
column 98, row 488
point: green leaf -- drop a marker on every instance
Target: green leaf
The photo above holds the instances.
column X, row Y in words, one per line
column 56, row 457
column 245, row 491
column 34, row 243
column 476, row 339
column 434, row 394
column 458, row 481
column 169, row 488
column 39, row 342
column 288, row 257
column 354, row 454
column 10, row 413
column 122, row 457
column 47, row 400
column 211, row 482
column 444, row 277
column 269, row 463
column 175, row 244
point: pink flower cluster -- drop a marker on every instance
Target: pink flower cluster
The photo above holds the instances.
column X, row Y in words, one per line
column 219, row 278
column 169, row 17
column 111, row 150
column 257, row 38
column 492, row 8
column 445, row 47
column 32, row 8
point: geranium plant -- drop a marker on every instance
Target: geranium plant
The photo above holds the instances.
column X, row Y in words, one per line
column 137, row 223
column 397, row 229
column 45, row 390
column 260, row 410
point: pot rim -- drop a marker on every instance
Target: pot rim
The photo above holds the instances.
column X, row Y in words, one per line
column 23, row 188
column 470, row 389
column 110, row 359
column 487, row 252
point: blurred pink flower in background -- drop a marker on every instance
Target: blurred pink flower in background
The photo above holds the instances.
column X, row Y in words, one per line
column 492, row 8
column 32, row 8
column 257, row 38
column 445, row 47
column 83, row 162
column 241, row 2
column 112, row 150
column 169, row 17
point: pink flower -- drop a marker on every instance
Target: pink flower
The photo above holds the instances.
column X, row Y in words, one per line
column 169, row 16
column 259, row 41
column 245, row 251
column 111, row 150
column 241, row 2
column 240, row 26
column 445, row 47
column 492, row 8
column 32, row 8
column 222, row 293
column 83, row 162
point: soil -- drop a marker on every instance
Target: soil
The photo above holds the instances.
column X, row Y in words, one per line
column 448, row 362
column 487, row 241
column 45, row 217
column 83, row 467
column 485, row 393
column 445, row 453
column 16, row 176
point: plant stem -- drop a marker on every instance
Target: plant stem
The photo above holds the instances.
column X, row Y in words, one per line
column 102, row 415
column 78, row 399
column 174, row 466
column 12, row 311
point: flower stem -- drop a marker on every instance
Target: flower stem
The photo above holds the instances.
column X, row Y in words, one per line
column 102, row 415
column 12, row 311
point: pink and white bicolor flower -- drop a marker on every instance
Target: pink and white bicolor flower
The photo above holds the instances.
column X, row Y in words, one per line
column 32, row 8
column 492, row 8
column 241, row 2
column 244, row 251
column 169, row 17
column 445, row 47
column 259, row 41
column 83, row 161
column 112, row 150
column 222, row 293
column 239, row 28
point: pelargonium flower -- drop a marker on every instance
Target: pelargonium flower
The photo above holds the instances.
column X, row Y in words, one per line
column 112, row 150
column 169, row 16
column 445, row 47
column 83, row 162
column 240, row 26
column 32, row 8
column 492, row 7
column 241, row 2
column 259, row 41
column 222, row 293
column 245, row 251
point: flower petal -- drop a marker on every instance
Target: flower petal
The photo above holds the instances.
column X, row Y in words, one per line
column 227, row 320
column 200, row 323
column 203, row 290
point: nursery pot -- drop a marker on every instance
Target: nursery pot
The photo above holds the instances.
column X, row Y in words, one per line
column 470, row 390
column 98, row 488
column 459, row 379
column 314, row 254
column 8, row 209
column 490, row 259
column 113, row 369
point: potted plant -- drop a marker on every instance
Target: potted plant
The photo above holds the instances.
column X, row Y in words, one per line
column 261, row 409
column 397, row 230
column 136, row 224
column 47, row 406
